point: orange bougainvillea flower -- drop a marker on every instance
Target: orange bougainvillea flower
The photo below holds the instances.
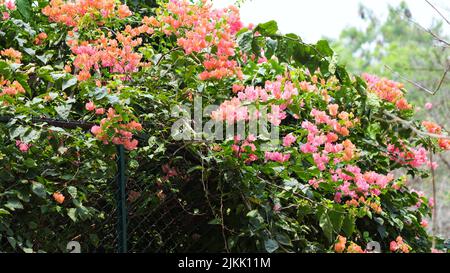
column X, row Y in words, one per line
column 59, row 197
column 70, row 12
column 42, row 36
column 354, row 248
column 432, row 127
column 444, row 143
column 333, row 109
column 9, row 88
column 123, row 11
column 339, row 247
column 349, row 149
column 13, row 54
column 399, row 245
column 387, row 90
column 67, row 68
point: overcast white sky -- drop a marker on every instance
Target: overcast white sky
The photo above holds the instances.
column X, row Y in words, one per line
column 313, row 19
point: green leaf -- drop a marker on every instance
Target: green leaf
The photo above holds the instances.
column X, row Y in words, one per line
column 337, row 218
column 398, row 223
column 69, row 83
column 12, row 242
column 57, row 75
column 195, row 168
column 373, row 100
column 245, row 41
column 45, row 57
column 214, row 221
column 32, row 135
column 71, row 213
column 29, row 51
column 326, row 225
column 63, row 110
column 271, row 245
column 379, row 220
column 30, row 163
column 267, row 29
column 324, row 48
column 373, row 130
column 253, row 213
column 4, row 212
column 100, row 92
column 24, row 7
column 112, row 99
column 14, row 204
column 290, row 183
column 348, row 225
column 283, row 239
column 72, row 191
column 27, row 250
column 25, row 26
column 18, row 132
column 5, row 70
column 39, row 189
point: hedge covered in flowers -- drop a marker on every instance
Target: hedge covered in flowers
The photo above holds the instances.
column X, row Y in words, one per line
column 333, row 183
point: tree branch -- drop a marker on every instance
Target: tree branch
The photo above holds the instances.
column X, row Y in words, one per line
column 443, row 17
column 417, row 131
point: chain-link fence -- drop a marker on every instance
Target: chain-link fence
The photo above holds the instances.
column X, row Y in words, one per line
column 117, row 214
column 174, row 224
column 84, row 219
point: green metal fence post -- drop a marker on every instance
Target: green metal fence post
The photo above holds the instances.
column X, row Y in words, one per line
column 121, row 201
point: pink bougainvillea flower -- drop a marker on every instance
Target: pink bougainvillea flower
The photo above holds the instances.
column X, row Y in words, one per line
column 251, row 158
column 251, row 138
column 276, row 156
column 424, row 223
column 433, row 165
column 71, row 12
column 428, row 105
column 288, row 140
column 90, row 106
column 314, row 183
column 432, row 127
column 169, row 171
column 399, row 245
column 100, row 111
column 393, row 246
column 96, row 130
column 5, row 16
column 333, row 109
column 10, row 4
column 414, row 157
column 23, row 147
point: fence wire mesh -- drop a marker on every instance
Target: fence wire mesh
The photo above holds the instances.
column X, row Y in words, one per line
column 111, row 211
column 174, row 224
